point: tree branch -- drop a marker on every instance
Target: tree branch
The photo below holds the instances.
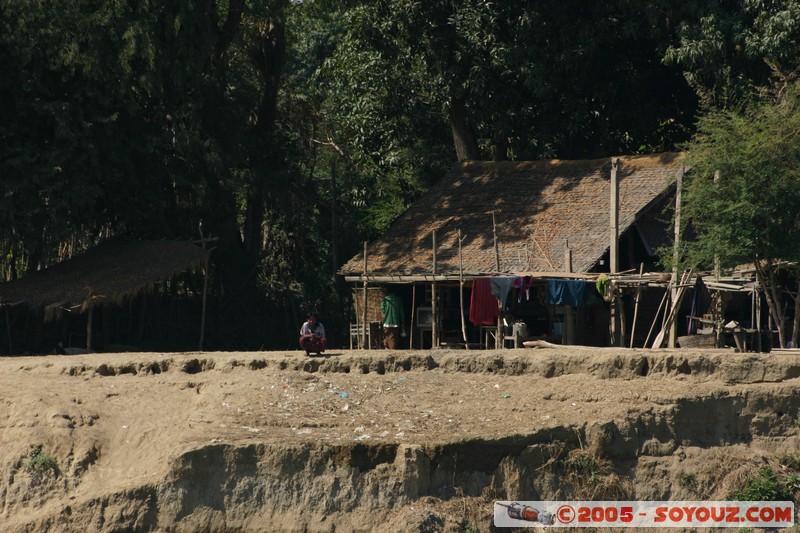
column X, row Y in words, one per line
column 330, row 143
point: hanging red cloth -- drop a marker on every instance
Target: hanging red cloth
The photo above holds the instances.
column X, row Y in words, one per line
column 483, row 308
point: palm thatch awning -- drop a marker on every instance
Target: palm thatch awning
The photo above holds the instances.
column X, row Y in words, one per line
column 535, row 208
column 109, row 273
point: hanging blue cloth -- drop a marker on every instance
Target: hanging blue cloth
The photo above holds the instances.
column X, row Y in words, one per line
column 572, row 292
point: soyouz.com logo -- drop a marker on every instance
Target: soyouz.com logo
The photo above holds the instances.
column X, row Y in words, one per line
column 644, row 514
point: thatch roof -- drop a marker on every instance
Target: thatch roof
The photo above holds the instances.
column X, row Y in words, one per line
column 538, row 206
column 110, row 272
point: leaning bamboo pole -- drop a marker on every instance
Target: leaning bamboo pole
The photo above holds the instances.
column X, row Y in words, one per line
column 655, row 318
column 674, row 308
column 636, row 303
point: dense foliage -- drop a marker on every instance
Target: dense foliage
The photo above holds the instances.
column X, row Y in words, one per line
column 290, row 131
column 750, row 213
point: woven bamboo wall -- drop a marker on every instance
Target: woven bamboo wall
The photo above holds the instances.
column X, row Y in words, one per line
column 374, row 297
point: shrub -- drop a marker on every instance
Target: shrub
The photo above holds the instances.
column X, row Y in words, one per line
column 689, row 482
column 765, row 486
column 40, row 463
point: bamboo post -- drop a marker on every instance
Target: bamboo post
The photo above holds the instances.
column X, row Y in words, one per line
column 413, row 308
column 8, row 329
column 758, row 317
column 498, row 340
column 716, row 256
column 614, row 222
column 89, row 328
column 622, row 321
column 142, row 318
column 636, row 303
column 753, row 308
column 205, row 292
column 673, row 330
column 613, row 253
column 496, row 249
column 434, row 303
column 719, row 319
column 364, row 342
column 569, row 312
column 203, row 310
column 461, row 289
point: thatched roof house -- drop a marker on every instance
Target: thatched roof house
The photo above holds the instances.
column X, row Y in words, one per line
column 109, row 273
column 535, row 209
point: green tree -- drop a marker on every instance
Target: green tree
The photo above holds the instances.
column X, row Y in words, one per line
column 146, row 120
column 751, row 212
column 732, row 51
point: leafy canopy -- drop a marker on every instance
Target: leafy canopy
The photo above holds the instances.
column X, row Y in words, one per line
column 753, row 210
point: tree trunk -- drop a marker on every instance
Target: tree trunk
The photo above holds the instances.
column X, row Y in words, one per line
column 766, row 278
column 334, row 250
column 267, row 53
column 463, row 139
column 499, row 145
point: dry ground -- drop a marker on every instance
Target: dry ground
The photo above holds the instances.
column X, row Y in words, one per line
column 115, row 422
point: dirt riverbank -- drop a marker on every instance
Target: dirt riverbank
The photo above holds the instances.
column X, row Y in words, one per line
column 377, row 440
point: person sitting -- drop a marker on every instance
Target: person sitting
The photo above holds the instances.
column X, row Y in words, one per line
column 312, row 335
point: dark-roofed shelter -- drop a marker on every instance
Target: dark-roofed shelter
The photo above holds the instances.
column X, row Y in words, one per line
column 109, row 274
column 538, row 218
